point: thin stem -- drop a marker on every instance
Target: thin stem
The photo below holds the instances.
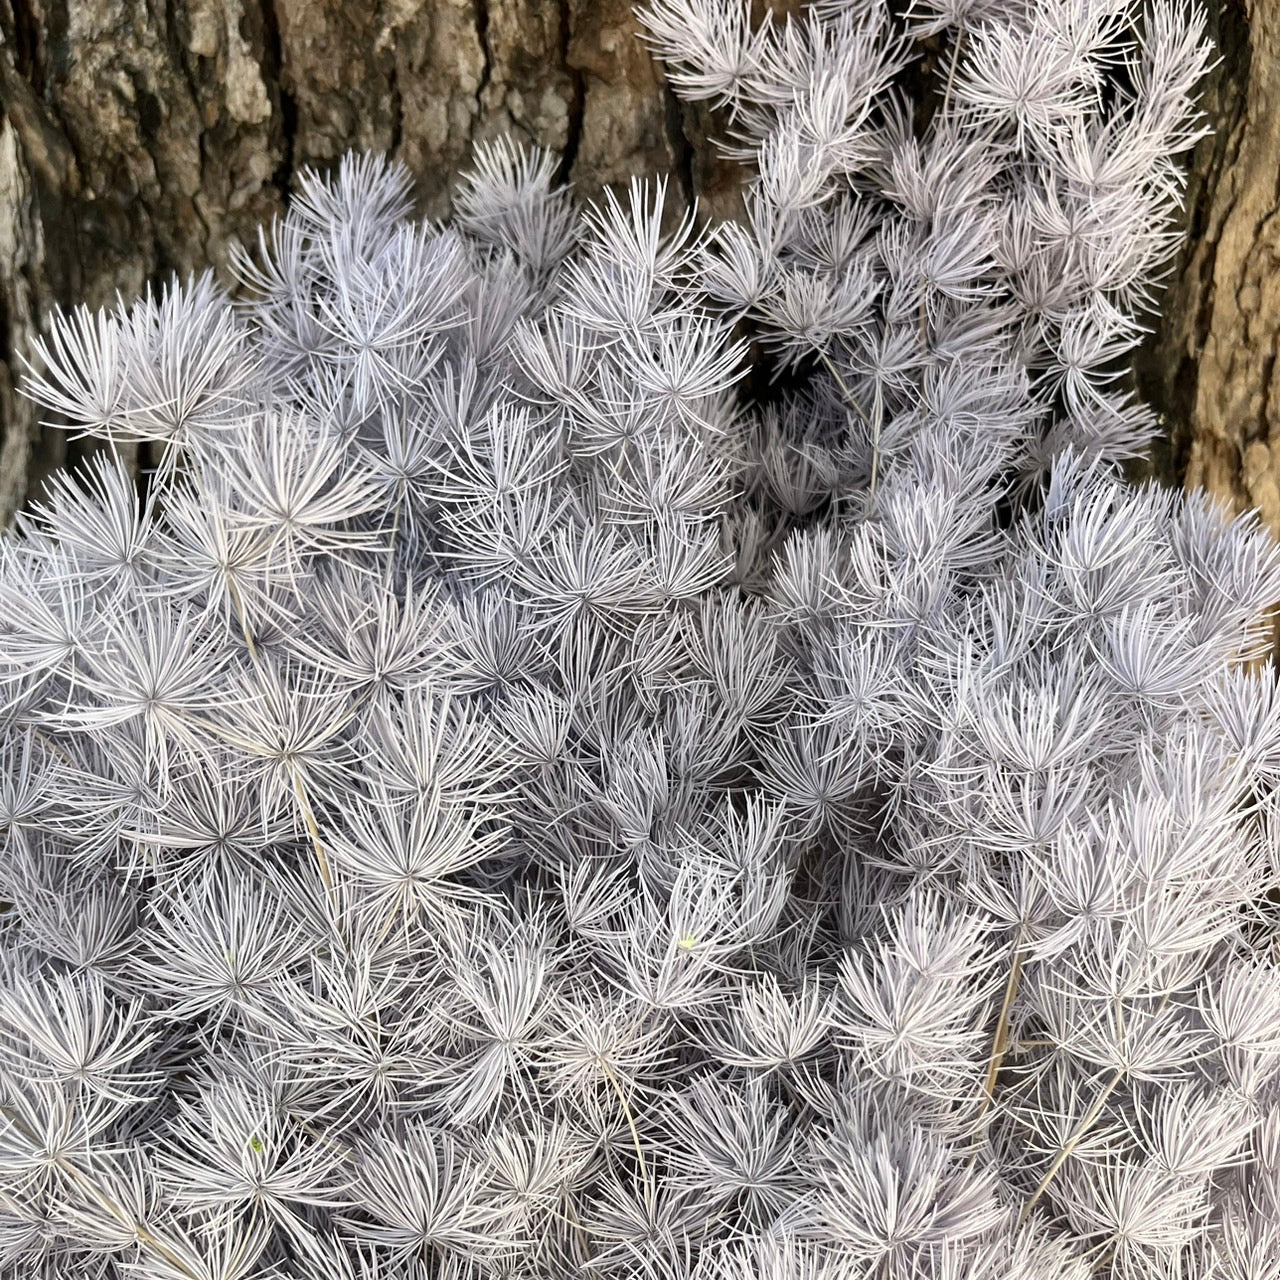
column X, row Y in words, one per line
column 951, row 75
column 875, row 438
column 56, row 747
column 299, row 789
column 1080, row 1130
column 571, row 1217
column 1072, row 1143
column 635, row 1134
column 391, row 549
column 848, row 395
column 238, row 602
column 392, row 915
column 1000, row 1045
column 313, row 829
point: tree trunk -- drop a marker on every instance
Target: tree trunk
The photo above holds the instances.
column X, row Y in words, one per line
column 143, row 137
column 1211, row 364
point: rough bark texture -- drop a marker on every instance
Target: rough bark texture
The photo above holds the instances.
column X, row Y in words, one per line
column 1211, row 366
column 143, row 137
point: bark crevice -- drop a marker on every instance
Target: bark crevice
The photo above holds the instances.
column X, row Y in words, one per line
column 486, row 52
column 577, row 103
column 286, row 106
column 1171, row 371
column 26, row 43
column 681, row 147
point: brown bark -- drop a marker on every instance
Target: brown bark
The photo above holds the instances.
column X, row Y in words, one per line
column 1211, row 365
column 143, row 137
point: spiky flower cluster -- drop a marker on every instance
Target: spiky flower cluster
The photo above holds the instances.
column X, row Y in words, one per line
column 506, row 804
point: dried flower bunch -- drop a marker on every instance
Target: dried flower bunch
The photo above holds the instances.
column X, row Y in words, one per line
column 506, row 803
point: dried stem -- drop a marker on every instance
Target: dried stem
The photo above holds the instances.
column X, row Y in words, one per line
column 1077, row 1136
column 1000, row 1044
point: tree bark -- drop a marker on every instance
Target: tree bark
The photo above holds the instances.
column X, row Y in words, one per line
column 1210, row 365
column 139, row 138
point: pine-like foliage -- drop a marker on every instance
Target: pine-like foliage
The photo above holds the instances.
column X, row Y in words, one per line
column 509, row 804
